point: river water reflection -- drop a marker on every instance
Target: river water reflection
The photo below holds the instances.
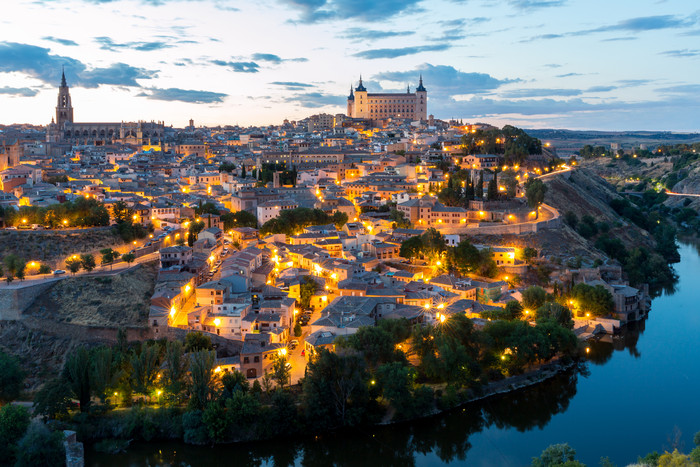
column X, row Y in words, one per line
column 636, row 394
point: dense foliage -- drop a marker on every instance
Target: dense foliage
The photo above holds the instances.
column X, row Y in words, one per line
column 79, row 213
column 292, row 221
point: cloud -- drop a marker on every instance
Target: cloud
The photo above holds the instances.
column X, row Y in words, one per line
column 292, row 85
column 267, row 58
column 364, row 34
column 682, row 53
column 567, row 75
column 446, row 80
column 107, row 43
column 618, row 39
column 365, row 10
column 535, row 4
column 119, row 74
column 315, row 100
column 238, row 67
column 276, row 59
column 183, row 95
column 18, row 92
column 633, row 25
column 630, row 83
column 644, row 23
column 58, row 40
column 400, row 52
column 601, row 88
column 540, row 92
column 681, row 89
column 38, row 63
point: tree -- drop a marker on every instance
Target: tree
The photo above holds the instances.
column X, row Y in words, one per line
column 76, row 372
column 121, row 212
column 12, row 377
column 513, row 309
column 479, row 189
column 195, row 341
column 202, row 383
column 14, row 266
column 88, row 262
column 144, row 368
column 128, row 258
column 297, row 329
column 597, row 301
column 14, row 421
column 43, row 269
column 73, row 265
column 334, row 391
column 102, row 371
column 535, row 190
column 280, row 371
column 176, row 366
column 307, row 289
column 571, row 219
column 53, row 400
column 555, row 312
column 243, row 174
column 411, row 247
column 534, row 297
column 529, row 253
column 395, row 379
column 239, row 219
column 40, row 446
column 465, row 257
column 492, row 189
column 109, row 256
column 374, row 343
column 557, row 455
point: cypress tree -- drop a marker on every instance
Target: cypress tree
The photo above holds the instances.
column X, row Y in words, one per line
column 480, row 185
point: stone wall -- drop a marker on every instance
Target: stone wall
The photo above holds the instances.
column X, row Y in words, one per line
column 15, row 299
column 507, row 229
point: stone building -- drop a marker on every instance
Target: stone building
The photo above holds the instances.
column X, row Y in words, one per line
column 63, row 130
column 374, row 106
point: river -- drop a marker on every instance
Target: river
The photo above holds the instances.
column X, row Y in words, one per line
column 638, row 393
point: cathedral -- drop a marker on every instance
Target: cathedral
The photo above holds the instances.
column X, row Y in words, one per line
column 63, row 130
column 409, row 105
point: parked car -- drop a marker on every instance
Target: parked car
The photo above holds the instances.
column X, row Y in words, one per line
column 294, row 344
column 58, row 272
column 288, row 366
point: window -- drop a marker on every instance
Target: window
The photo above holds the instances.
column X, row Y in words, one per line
column 246, row 360
column 256, row 359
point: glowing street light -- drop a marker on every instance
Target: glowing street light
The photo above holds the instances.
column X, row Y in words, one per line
column 217, row 322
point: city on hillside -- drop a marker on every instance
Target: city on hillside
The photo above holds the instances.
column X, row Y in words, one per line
column 241, row 275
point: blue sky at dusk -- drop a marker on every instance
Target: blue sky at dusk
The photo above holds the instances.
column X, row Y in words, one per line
column 621, row 64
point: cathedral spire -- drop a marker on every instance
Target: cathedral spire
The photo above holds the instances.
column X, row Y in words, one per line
column 420, row 87
column 351, row 97
column 360, row 87
column 63, row 77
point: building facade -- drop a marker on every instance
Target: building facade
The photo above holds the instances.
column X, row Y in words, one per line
column 409, row 105
column 63, row 129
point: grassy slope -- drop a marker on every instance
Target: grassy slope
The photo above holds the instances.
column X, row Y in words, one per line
column 118, row 300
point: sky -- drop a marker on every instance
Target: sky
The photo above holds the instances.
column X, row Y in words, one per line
column 577, row 64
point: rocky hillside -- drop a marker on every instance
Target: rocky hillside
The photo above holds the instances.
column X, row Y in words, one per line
column 583, row 193
column 587, row 193
column 53, row 247
column 112, row 301
column 41, row 355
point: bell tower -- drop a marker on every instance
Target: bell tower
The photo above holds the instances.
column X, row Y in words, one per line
column 64, row 108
